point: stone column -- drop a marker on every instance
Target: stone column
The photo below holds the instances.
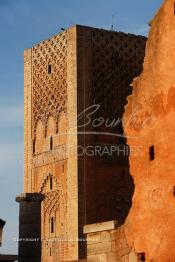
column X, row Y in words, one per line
column 29, row 248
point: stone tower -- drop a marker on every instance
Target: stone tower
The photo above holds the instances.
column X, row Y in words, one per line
column 67, row 78
column 150, row 224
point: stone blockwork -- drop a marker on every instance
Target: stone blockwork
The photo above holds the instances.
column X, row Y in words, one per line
column 64, row 75
column 150, row 225
column 108, row 244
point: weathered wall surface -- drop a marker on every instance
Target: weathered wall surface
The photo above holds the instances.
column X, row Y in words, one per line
column 149, row 121
column 108, row 246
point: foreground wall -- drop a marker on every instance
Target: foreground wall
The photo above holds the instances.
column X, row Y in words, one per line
column 106, row 242
column 150, row 226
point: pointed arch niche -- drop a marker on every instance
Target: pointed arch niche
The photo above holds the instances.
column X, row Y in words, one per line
column 39, row 140
column 50, row 133
column 61, row 136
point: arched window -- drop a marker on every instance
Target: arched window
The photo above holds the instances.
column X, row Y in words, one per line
column 34, row 146
column 51, row 183
column 52, row 225
column 49, row 69
column 51, row 143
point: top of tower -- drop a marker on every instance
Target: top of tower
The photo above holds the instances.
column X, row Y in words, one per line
column 64, row 30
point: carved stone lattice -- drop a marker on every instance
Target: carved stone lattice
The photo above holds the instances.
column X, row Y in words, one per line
column 117, row 59
column 51, row 203
column 49, row 79
column 53, row 199
column 44, row 182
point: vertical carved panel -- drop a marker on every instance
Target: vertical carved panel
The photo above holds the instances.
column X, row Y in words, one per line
column 53, row 207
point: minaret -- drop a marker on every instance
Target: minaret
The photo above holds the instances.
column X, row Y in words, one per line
column 65, row 77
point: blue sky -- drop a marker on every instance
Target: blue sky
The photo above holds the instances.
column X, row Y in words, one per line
column 22, row 24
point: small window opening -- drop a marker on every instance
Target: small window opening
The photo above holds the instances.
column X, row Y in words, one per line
column 51, row 143
column 174, row 8
column 34, row 146
column 151, row 153
column 49, row 69
column 52, row 229
column 141, row 257
column 51, row 183
column 50, row 251
column 63, row 168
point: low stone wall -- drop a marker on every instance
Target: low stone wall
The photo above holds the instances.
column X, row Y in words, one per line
column 107, row 243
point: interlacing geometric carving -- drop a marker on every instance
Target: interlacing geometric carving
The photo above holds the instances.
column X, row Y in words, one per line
column 45, row 181
column 117, row 59
column 53, row 198
column 52, row 202
column 49, row 88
